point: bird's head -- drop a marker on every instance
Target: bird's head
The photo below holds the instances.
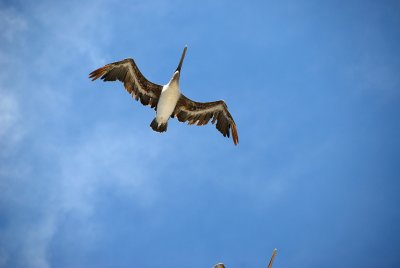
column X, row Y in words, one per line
column 177, row 73
column 219, row 265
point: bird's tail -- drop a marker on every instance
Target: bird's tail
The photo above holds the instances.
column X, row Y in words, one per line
column 159, row 127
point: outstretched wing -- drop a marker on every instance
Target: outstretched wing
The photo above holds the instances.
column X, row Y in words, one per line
column 271, row 261
column 135, row 83
column 200, row 113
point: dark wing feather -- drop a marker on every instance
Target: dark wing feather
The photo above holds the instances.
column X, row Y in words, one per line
column 135, row 83
column 200, row 113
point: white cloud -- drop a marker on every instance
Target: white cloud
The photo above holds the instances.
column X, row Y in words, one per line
column 9, row 113
column 11, row 129
column 75, row 33
column 12, row 24
column 36, row 243
column 103, row 158
column 106, row 157
column 69, row 173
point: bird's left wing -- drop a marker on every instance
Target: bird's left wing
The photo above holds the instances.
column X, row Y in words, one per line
column 200, row 113
column 134, row 81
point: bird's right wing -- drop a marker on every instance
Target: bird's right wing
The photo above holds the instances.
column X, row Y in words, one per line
column 134, row 81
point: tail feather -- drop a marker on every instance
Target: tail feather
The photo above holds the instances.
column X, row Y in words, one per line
column 159, row 127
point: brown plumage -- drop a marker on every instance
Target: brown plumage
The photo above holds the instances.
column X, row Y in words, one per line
column 271, row 261
column 148, row 93
column 200, row 113
column 135, row 83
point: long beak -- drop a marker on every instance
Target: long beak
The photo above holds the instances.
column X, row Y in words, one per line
column 181, row 61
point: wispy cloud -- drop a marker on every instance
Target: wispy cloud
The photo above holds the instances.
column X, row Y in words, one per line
column 106, row 157
column 12, row 23
column 69, row 173
column 101, row 159
column 11, row 129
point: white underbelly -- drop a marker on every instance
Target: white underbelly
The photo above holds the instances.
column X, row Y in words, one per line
column 167, row 102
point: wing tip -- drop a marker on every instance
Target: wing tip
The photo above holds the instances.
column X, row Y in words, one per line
column 271, row 261
column 235, row 136
column 98, row 73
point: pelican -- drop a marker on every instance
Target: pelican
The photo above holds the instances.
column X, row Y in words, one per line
column 271, row 261
column 167, row 100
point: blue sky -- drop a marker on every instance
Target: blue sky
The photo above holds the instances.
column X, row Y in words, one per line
column 314, row 88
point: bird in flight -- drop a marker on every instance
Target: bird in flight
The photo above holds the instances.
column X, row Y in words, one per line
column 271, row 261
column 167, row 100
